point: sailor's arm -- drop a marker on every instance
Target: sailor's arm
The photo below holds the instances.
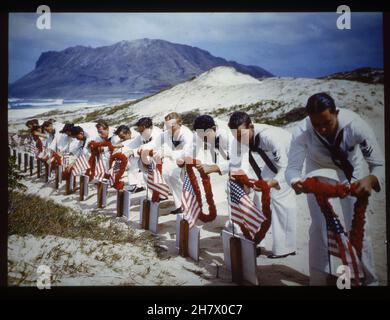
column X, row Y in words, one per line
column 373, row 155
column 296, row 158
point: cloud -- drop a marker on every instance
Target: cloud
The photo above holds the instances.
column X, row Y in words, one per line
column 272, row 40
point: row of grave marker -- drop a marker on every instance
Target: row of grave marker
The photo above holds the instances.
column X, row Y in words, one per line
column 239, row 253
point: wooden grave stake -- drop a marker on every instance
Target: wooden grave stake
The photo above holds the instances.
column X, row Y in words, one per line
column 119, row 203
column 102, row 194
column 57, row 178
column 83, row 187
column 19, row 160
column 240, row 257
column 74, row 183
column 25, row 162
column 236, row 259
column 39, row 167
column 187, row 239
column 145, row 215
column 183, row 242
column 31, row 165
column 69, row 184
column 47, row 168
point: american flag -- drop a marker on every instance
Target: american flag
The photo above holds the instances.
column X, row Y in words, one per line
column 32, row 147
column 341, row 250
column 65, row 161
column 189, row 203
column 100, row 170
column 80, row 165
column 113, row 170
column 156, row 182
column 243, row 210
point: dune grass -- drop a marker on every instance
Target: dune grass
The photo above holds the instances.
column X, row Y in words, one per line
column 30, row 214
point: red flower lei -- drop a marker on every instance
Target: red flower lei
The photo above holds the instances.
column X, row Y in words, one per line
column 57, row 161
column 265, row 202
column 156, row 194
column 190, row 163
column 95, row 148
column 324, row 191
column 118, row 185
column 38, row 142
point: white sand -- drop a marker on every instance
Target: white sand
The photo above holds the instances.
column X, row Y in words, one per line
column 220, row 87
column 170, row 269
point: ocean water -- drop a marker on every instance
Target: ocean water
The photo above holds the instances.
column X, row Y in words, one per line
column 25, row 108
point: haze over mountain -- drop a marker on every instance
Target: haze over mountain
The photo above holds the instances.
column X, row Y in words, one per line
column 118, row 70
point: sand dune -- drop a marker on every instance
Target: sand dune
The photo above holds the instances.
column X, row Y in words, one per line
column 220, row 87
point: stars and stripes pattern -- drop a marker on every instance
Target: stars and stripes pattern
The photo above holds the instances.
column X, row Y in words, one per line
column 112, row 171
column 189, row 203
column 100, row 170
column 243, row 210
column 65, row 161
column 80, row 165
column 31, row 147
column 340, row 249
column 156, row 182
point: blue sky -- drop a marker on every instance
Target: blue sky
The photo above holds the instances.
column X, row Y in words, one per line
column 286, row 44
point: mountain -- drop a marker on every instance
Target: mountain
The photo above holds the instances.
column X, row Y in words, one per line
column 220, row 91
column 366, row 75
column 119, row 70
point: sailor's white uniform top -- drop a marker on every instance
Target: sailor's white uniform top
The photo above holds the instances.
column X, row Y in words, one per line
column 217, row 151
column 358, row 141
column 275, row 142
column 151, row 142
column 51, row 137
column 60, row 143
column 177, row 146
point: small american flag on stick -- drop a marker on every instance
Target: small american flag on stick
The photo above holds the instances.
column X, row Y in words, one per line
column 100, row 170
column 189, row 202
column 113, row 170
column 340, row 249
column 243, row 210
column 80, row 165
column 156, row 182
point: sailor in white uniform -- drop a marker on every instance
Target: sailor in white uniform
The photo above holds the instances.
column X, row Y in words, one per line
column 82, row 137
column 61, row 143
column 264, row 150
column 148, row 135
column 212, row 141
column 106, row 133
column 171, row 147
column 128, row 145
column 52, row 130
column 337, row 139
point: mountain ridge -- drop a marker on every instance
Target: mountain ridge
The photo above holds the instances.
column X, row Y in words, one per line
column 142, row 65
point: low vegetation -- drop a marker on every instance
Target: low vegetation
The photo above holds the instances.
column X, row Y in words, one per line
column 31, row 214
column 262, row 112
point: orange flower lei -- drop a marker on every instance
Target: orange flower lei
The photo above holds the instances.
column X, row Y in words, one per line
column 95, row 148
column 265, row 202
column 56, row 162
column 38, row 142
column 190, row 163
column 324, row 191
column 156, row 194
column 119, row 185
